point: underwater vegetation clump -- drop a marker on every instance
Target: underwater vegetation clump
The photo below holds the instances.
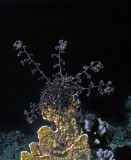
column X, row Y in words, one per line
column 59, row 103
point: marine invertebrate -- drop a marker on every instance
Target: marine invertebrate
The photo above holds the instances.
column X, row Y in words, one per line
column 59, row 103
column 59, row 90
column 105, row 155
column 51, row 144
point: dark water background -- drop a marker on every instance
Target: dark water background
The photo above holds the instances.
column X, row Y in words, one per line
column 95, row 30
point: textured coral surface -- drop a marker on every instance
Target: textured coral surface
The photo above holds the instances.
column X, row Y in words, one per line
column 67, row 142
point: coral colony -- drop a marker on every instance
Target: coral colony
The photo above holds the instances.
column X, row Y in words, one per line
column 76, row 135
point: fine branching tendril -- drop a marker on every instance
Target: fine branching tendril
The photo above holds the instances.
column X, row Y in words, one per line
column 58, row 92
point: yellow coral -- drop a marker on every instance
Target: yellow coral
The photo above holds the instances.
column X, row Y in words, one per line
column 77, row 147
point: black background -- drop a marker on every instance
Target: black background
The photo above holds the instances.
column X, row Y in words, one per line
column 95, row 30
